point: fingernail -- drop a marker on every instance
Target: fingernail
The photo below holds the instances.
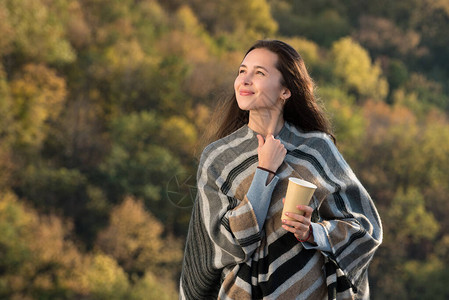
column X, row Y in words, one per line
column 283, row 220
column 286, row 214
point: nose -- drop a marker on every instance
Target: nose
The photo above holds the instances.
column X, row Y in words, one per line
column 246, row 80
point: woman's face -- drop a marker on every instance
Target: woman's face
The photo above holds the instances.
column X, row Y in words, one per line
column 258, row 84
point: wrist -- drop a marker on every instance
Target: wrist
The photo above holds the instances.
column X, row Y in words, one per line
column 267, row 170
column 309, row 235
column 267, row 165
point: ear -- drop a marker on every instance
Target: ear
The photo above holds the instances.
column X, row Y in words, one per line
column 286, row 93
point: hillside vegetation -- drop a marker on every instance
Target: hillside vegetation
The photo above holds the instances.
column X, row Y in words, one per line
column 103, row 107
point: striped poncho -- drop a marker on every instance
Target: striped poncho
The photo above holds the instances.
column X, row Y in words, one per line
column 227, row 255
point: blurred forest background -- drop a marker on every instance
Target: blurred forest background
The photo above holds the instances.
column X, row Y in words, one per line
column 103, row 104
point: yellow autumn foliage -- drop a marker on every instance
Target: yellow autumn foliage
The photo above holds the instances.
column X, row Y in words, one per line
column 104, row 278
column 38, row 94
column 306, row 48
column 353, row 65
column 134, row 239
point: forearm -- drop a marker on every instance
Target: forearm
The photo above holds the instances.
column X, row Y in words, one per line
column 259, row 194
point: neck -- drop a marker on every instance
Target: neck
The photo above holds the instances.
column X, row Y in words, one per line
column 266, row 122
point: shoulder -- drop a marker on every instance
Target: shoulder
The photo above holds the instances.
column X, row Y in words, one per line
column 313, row 139
column 319, row 148
column 237, row 144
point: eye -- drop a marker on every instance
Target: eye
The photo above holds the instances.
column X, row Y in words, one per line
column 241, row 71
column 260, row 73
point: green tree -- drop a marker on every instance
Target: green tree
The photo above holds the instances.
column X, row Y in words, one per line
column 139, row 165
column 68, row 192
column 38, row 33
column 411, row 229
column 429, row 92
column 38, row 259
column 397, row 74
column 410, row 220
column 436, row 176
column 347, row 120
column 233, row 22
column 426, row 279
column 320, row 21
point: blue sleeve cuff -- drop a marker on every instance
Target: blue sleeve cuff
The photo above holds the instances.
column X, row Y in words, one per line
column 321, row 241
column 259, row 194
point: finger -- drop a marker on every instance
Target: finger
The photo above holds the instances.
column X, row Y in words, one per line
column 296, row 225
column 299, row 218
column 260, row 140
column 306, row 209
column 290, row 223
column 290, row 229
column 295, row 230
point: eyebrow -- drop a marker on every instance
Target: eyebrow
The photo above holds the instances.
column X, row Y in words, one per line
column 257, row 67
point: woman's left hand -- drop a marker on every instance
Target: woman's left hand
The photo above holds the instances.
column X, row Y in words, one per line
column 301, row 225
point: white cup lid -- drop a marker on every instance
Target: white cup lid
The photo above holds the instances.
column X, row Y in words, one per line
column 302, row 182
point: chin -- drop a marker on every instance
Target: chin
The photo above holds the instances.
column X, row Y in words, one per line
column 242, row 105
column 245, row 105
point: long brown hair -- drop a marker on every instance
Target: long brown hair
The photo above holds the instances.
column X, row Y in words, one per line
column 301, row 109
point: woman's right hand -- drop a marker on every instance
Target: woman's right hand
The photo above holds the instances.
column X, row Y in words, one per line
column 271, row 152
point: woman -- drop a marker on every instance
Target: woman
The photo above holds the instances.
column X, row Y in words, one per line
column 237, row 246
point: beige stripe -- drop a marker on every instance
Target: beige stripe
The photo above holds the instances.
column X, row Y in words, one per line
column 232, row 290
column 243, row 187
column 238, row 293
column 243, row 221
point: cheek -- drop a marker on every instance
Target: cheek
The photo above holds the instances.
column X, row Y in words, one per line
column 278, row 89
column 273, row 90
column 236, row 83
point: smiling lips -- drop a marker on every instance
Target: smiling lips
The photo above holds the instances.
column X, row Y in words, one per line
column 246, row 93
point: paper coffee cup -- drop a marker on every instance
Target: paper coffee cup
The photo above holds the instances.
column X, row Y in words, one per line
column 299, row 192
